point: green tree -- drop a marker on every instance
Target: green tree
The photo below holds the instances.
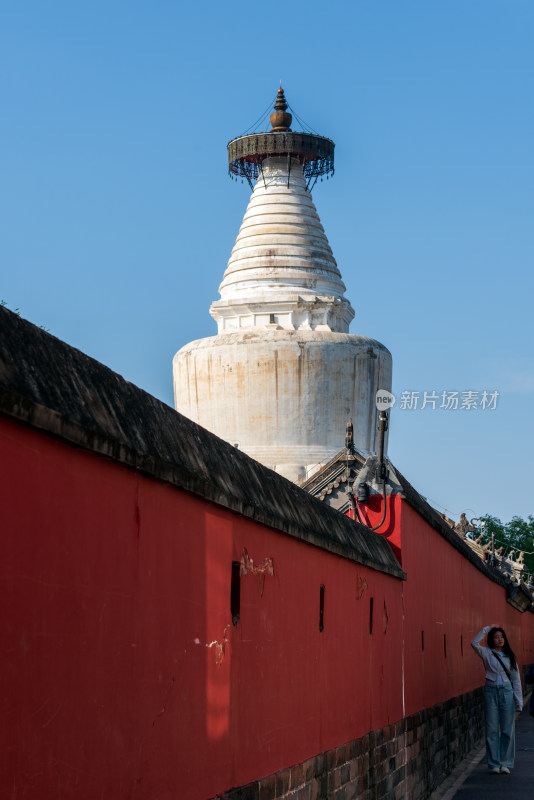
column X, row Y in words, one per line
column 517, row 535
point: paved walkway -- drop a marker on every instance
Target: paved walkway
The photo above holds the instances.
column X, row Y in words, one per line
column 475, row 782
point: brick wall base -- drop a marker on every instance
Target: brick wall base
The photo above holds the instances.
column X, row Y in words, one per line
column 407, row 760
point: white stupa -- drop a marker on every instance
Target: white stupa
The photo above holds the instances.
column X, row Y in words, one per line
column 283, row 376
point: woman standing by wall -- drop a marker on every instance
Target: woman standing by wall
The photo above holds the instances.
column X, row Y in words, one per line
column 502, row 697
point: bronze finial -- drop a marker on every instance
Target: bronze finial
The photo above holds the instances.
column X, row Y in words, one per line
column 280, row 118
column 247, row 152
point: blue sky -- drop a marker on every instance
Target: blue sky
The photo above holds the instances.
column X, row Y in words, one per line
column 117, row 216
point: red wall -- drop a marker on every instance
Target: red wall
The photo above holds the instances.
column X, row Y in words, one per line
column 115, row 591
column 446, row 602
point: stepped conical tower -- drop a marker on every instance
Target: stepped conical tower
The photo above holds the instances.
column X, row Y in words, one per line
column 283, row 375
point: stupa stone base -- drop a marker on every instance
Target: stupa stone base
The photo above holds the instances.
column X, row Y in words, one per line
column 284, row 397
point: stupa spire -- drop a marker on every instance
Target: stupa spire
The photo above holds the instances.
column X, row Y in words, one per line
column 282, row 270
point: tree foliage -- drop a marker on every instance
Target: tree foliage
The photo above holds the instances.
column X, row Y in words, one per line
column 517, row 535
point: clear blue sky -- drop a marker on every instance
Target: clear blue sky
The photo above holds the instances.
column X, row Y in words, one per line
column 117, row 216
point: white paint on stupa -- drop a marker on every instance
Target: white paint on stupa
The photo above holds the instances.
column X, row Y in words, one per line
column 283, row 376
column 282, row 270
column 284, row 397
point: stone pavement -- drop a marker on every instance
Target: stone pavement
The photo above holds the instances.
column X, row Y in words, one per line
column 475, row 782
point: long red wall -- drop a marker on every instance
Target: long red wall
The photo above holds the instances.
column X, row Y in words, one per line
column 122, row 674
column 446, row 601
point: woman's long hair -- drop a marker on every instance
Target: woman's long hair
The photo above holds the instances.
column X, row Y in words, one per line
column 507, row 650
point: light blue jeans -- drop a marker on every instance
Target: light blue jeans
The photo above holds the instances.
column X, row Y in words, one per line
column 500, row 725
